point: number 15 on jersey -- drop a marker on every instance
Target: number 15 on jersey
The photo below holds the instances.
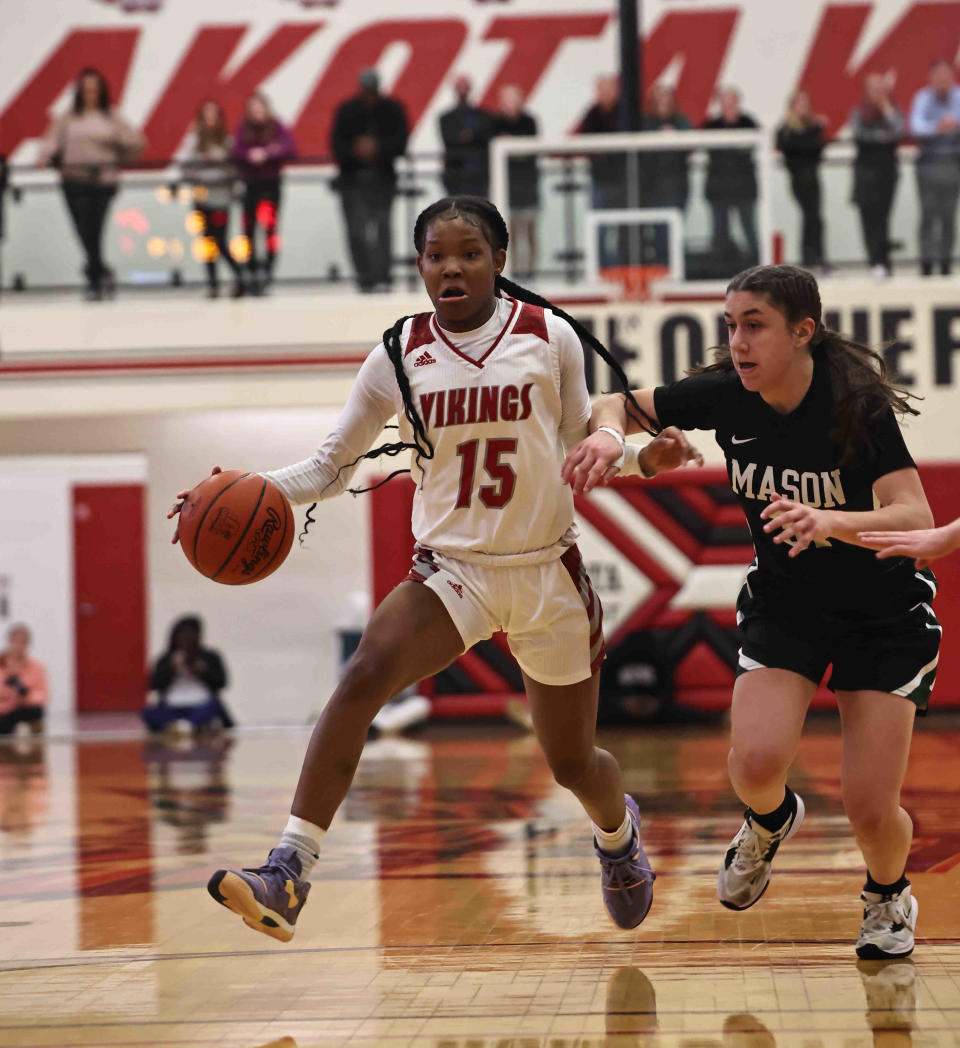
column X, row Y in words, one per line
column 498, row 494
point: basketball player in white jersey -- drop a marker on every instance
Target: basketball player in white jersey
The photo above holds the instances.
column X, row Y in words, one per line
column 489, row 391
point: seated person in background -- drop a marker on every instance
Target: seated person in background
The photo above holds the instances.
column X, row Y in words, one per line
column 187, row 680
column 23, row 684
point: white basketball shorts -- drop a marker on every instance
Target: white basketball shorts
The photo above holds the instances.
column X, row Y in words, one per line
column 549, row 612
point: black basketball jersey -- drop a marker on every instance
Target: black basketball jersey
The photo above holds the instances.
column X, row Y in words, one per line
column 792, row 455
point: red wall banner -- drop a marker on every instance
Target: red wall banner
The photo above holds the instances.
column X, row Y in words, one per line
column 162, row 57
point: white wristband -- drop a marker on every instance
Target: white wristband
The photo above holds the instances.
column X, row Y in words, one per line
column 613, row 433
column 619, row 437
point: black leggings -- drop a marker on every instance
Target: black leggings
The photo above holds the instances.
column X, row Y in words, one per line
column 88, row 204
column 874, row 186
column 215, row 224
column 261, row 209
column 32, row 715
column 806, row 191
column 875, row 220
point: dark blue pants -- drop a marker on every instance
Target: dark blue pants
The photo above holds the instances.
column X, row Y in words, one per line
column 201, row 715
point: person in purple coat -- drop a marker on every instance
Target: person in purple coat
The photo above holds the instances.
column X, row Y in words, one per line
column 261, row 146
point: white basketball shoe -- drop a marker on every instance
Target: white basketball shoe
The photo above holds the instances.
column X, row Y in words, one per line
column 888, row 925
column 745, row 871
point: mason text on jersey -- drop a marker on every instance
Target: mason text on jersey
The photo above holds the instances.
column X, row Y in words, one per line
column 820, row 490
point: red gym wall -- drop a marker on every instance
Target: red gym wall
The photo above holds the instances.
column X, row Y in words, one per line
column 695, row 513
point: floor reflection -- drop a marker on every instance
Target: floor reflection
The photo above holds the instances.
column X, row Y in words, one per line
column 24, row 785
column 188, row 785
column 631, row 1009
column 891, row 992
column 746, row 1031
column 456, row 903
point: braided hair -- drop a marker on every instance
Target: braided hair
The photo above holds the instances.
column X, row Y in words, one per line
column 479, row 212
column 859, row 381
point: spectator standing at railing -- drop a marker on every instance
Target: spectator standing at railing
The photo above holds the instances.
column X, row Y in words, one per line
column 800, row 138
column 206, row 163
column 876, row 126
column 608, row 171
column 731, row 181
column 523, row 179
column 88, row 144
column 369, row 133
column 935, row 124
column 664, row 181
column 466, row 131
column 261, row 146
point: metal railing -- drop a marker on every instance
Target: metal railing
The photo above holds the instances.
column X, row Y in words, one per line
column 151, row 239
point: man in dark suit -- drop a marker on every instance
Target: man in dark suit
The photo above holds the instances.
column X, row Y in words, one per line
column 369, row 133
column 466, row 131
column 732, row 185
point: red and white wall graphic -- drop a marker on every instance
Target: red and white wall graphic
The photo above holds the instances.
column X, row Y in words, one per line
column 667, row 558
column 162, row 57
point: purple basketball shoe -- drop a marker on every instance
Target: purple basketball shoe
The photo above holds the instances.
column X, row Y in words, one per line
column 269, row 898
column 627, row 880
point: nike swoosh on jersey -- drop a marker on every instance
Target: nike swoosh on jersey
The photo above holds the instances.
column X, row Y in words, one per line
column 741, row 440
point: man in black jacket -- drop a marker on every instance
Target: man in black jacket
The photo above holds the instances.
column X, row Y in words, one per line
column 369, row 133
column 732, row 185
column 466, row 131
column 608, row 171
column 187, row 679
column 523, row 177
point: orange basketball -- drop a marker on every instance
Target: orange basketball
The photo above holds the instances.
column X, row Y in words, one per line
column 236, row 527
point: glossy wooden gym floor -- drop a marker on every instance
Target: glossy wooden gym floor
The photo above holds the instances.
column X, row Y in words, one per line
column 456, row 903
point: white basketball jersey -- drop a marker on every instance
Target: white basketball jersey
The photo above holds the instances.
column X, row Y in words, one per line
column 493, row 485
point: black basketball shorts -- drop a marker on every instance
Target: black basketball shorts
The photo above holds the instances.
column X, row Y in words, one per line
column 897, row 654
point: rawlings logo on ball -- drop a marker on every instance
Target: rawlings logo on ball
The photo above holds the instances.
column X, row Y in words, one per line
column 258, row 545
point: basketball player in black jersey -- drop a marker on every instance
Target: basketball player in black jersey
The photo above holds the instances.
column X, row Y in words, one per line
column 807, row 422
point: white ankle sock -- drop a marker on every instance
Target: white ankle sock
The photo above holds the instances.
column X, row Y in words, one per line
column 617, row 842
column 305, row 837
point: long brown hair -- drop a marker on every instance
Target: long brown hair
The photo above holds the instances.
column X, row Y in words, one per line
column 253, row 133
column 858, row 374
column 103, row 90
column 210, row 136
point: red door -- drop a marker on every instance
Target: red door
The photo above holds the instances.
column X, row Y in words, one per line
column 110, row 609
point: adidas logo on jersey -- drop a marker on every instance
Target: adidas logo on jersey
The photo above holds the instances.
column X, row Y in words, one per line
column 424, row 359
column 456, row 587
